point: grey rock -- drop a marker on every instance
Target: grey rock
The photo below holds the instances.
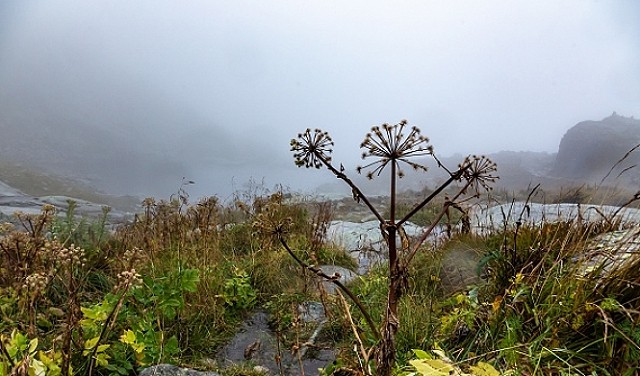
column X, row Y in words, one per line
column 10, row 204
column 311, row 312
column 365, row 235
column 171, row 370
column 257, row 344
column 489, row 219
column 364, row 240
column 345, row 274
column 261, row 369
column 612, row 251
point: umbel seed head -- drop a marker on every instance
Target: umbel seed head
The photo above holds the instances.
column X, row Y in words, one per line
column 390, row 144
column 312, row 149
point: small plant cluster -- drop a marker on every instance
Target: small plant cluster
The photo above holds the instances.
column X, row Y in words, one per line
column 544, row 309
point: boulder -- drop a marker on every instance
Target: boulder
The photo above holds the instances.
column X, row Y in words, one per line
column 612, row 251
column 364, row 240
column 345, row 274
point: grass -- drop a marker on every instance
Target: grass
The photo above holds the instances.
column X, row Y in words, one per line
column 184, row 275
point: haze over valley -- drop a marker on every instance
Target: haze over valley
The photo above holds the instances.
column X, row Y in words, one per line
column 130, row 98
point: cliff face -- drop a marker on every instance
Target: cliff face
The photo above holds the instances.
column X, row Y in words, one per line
column 590, row 149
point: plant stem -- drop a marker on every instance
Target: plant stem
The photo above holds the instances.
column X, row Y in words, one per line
column 335, row 281
column 356, row 191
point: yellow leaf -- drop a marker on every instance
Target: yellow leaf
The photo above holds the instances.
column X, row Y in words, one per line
column 432, row 367
column 33, row 345
column 91, row 343
column 421, row 354
column 128, row 337
column 497, row 302
column 484, row 369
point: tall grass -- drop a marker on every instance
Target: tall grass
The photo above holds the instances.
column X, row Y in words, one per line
column 549, row 299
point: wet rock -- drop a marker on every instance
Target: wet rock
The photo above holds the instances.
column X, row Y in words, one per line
column 10, row 204
column 311, row 312
column 364, row 240
column 257, row 344
column 171, row 370
column 612, row 251
column 364, row 236
column 254, row 341
column 345, row 274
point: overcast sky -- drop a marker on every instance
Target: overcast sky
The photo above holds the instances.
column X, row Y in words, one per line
column 475, row 76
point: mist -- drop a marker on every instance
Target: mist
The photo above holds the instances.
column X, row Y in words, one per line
column 135, row 96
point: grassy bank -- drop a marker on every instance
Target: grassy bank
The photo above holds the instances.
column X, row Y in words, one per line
column 173, row 285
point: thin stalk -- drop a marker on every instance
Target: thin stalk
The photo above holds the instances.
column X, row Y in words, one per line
column 427, row 200
column 356, row 191
column 435, row 222
column 391, row 227
column 335, row 281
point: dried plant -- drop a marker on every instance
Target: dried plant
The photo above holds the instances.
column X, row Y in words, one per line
column 390, row 146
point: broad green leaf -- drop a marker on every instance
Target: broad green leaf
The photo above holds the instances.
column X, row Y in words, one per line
column 33, row 345
column 421, row 354
column 190, row 279
column 128, row 337
column 171, row 346
column 172, row 302
column 102, row 359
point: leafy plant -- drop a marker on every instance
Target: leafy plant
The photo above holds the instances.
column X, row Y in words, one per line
column 426, row 364
column 238, row 292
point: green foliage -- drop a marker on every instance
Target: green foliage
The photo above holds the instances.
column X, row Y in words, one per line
column 80, row 231
column 18, row 352
column 238, row 292
column 541, row 311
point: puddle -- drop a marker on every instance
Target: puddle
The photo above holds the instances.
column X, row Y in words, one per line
column 256, row 344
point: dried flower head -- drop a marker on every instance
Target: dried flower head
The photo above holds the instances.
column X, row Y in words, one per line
column 478, row 171
column 71, row 256
column 268, row 223
column 128, row 279
column 36, row 283
column 389, row 144
column 312, row 149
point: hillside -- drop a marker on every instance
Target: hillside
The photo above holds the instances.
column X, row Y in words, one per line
column 593, row 150
column 20, row 179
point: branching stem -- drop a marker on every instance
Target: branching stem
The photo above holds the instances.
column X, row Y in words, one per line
column 333, row 279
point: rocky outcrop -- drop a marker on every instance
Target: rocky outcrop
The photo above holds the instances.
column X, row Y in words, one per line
column 590, row 149
column 13, row 200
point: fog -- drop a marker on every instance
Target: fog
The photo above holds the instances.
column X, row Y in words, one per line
column 135, row 95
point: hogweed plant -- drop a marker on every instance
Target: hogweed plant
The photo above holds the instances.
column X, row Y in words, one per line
column 390, row 147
